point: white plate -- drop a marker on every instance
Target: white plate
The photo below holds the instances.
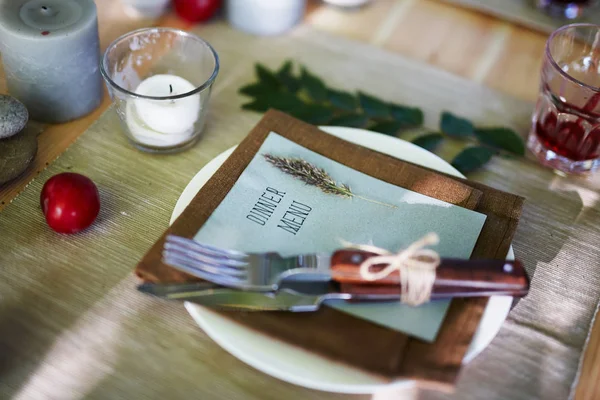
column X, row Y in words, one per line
column 295, row 365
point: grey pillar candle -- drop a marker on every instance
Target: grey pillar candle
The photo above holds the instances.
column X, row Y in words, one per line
column 51, row 55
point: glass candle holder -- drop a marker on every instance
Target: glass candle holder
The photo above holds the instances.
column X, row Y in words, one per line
column 160, row 81
column 565, row 133
column 569, row 9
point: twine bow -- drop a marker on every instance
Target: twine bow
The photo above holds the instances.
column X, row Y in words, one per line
column 416, row 265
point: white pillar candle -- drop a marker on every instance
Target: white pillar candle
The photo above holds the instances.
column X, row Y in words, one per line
column 163, row 123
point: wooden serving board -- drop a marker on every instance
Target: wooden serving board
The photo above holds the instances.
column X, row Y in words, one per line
column 524, row 12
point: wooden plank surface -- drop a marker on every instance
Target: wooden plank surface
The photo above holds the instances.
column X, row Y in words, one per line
column 523, row 12
column 476, row 46
column 462, row 41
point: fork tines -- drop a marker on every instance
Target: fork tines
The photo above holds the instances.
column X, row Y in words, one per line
column 221, row 266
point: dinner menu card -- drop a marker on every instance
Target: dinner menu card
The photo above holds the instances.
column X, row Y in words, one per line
column 292, row 200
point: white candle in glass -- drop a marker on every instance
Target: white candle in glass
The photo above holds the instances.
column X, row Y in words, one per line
column 163, row 123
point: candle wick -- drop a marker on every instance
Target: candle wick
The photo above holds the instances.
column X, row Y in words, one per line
column 170, row 89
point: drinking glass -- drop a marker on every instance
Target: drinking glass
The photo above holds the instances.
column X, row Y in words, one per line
column 160, row 81
column 565, row 133
column 565, row 8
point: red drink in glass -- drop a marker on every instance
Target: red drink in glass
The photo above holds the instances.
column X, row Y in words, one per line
column 565, row 133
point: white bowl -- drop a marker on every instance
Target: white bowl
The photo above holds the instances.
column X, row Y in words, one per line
column 265, row 17
column 145, row 8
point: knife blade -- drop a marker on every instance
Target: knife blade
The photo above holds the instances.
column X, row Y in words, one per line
column 293, row 295
column 300, row 295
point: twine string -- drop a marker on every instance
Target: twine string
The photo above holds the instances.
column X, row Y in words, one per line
column 416, row 265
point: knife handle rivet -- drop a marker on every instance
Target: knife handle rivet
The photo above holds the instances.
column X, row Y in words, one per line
column 508, row 268
column 356, row 258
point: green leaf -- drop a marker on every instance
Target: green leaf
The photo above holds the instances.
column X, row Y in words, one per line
column 255, row 90
column 373, row 107
column 286, row 68
column 285, row 102
column 342, row 100
column 472, row 158
column 455, row 126
column 266, row 77
column 290, row 83
column 410, row 116
column 256, row 105
column 502, row 138
column 387, row 127
column 314, row 86
column 314, row 114
column 285, row 75
column 282, row 101
column 352, row 120
column 429, row 141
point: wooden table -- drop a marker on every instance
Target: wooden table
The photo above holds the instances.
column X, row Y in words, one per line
column 479, row 47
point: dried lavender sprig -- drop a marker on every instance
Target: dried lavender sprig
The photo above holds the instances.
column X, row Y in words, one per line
column 312, row 175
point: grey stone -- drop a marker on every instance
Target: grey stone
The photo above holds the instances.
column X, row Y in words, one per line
column 16, row 153
column 13, row 116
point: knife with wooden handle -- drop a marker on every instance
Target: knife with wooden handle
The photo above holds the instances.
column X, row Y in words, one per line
column 306, row 292
column 265, row 271
column 454, row 278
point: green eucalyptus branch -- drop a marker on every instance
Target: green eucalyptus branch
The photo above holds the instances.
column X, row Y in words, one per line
column 306, row 97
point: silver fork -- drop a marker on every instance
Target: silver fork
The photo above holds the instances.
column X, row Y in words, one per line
column 240, row 270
